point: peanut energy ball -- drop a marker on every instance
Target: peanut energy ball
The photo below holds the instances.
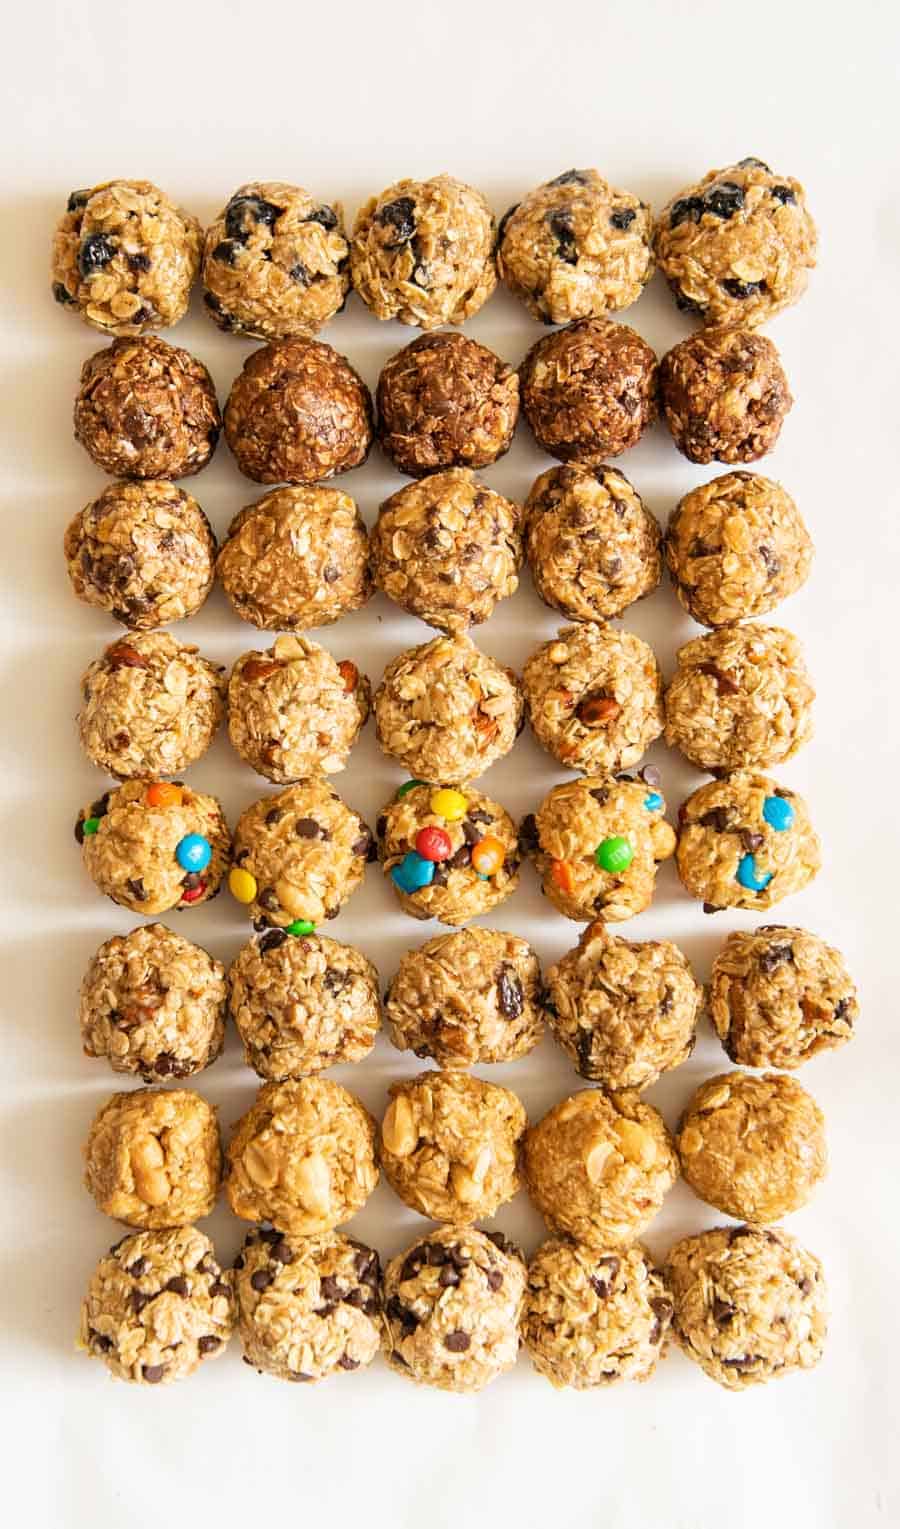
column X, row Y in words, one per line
column 779, row 995
column 153, row 1004
column 275, row 262
column 294, row 710
column 724, row 395
column 736, row 247
column 146, row 409
column 744, row 842
column 125, row 257
column 589, row 391
column 151, row 845
column 153, row 1157
column 423, row 252
column 450, row 854
column 446, row 401
column 594, row 697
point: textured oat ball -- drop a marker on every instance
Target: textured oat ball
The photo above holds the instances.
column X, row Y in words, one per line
column 295, row 710
column 125, row 257
column 298, row 412
column 745, row 842
column 589, row 391
column 736, row 247
column 750, row 1306
column 779, row 995
column 724, row 395
column 298, row 856
column 275, row 262
column 153, row 1004
column 450, row 854
column 452, row 1307
column 446, row 401
column 158, row 1304
column 152, row 846
column 153, row 1157
column 594, row 697
column 145, row 409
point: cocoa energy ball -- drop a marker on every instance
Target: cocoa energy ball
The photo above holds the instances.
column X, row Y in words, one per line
column 745, row 842
column 294, row 709
column 450, row 853
column 724, row 395
column 446, row 401
column 153, row 1157
column 594, row 697
column 145, row 409
column 153, row 845
column 589, row 391
column 779, row 995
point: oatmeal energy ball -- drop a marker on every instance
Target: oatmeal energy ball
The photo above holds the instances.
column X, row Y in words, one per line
column 446, row 401
column 146, row 409
column 295, row 710
column 153, row 1157
column 450, row 854
column 724, row 395
column 745, row 842
column 779, row 995
column 594, row 697
column 298, row 856
column 589, row 391
column 153, row 845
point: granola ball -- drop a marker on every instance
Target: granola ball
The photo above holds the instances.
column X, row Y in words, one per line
column 153, row 845
column 298, row 557
column 275, row 262
column 736, row 247
column 153, row 1004
column 146, row 409
column 308, row 1308
column 449, row 1145
column 724, row 395
column 750, row 1306
column 779, row 995
column 302, row 1004
column 158, row 1304
column 452, row 1307
column 598, row 1167
column 125, row 257
column 446, row 401
column 450, row 853
column 465, row 998
column 447, row 549
column 736, row 547
column 298, row 412
column 589, row 391
column 303, row 1157
column 298, row 856
column 594, row 697
column 744, row 842
column 625, row 1012
column 294, row 710
column 153, row 1157
column 423, row 252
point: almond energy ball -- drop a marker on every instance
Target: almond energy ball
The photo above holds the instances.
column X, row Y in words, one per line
column 450, row 853
column 423, row 252
column 153, row 1005
column 153, row 1157
column 153, row 845
column 146, row 409
column 589, row 391
column 779, row 996
column 594, row 697
column 724, row 395
column 745, row 842
column 446, row 401
column 294, row 710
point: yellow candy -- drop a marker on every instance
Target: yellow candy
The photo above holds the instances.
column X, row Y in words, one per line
column 450, row 805
column 241, row 885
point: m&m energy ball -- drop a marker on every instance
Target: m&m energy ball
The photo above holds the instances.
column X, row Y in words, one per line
column 449, row 853
column 745, row 842
column 155, row 845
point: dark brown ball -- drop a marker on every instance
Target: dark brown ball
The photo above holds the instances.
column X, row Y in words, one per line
column 146, row 409
column 724, row 395
column 589, row 390
column 446, row 401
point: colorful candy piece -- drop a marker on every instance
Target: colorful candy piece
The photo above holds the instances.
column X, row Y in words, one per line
column 163, row 794
column 449, row 804
column 778, row 813
column 750, row 877
column 90, row 826
column 241, row 885
column 194, row 894
column 562, row 874
column 413, row 873
column 654, row 802
column 614, row 855
column 193, row 852
column 433, row 844
column 301, row 926
column 488, row 856
column 408, row 785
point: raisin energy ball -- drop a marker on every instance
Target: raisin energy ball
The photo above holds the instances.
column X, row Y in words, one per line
column 423, row 252
column 298, row 856
column 452, row 1307
column 294, row 710
column 744, row 842
column 125, row 257
column 724, row 395
column 594, row 697
column 302, row 1004
column 158, row 1304
column 736, row 247
column 146, row 409
column 153, row 1004
column 298, row 412
column 153, row 1157
column 275, row 262
column 589, row 391
column 447, row 549
column 154, row 845
column 450, row 854
column 779, row 996
column 446, row 401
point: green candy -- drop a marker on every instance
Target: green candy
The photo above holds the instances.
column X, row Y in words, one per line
column 409, row 785
column 301, row 926
column 90, row 826
column 614, row 855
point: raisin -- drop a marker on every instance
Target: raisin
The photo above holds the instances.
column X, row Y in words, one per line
column 400, row 216
column 622, row 217
column 724, row 200
column 501, row 227
column 76, row 200
column 61, row 293
column 222, row 316
column 742, row 289
column 563, row 231
column 510, row 998
column 750, row 163
column 570, row 178
column 301, row 274
column 324, row 215
column 784, row 195
column 686, row 208
column 252, row 207
column 227, row 251
column 139, row 262
column 95, row 253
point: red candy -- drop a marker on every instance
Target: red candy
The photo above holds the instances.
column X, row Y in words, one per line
column 433, row 844
column 193, row 894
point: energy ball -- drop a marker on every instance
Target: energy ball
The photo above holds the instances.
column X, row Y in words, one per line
column 294, row 710
column 779, row 996
column 589, row 391
column 724, row 395
column 275, row 262
column 598, row 1167
column 153, row 1157
column 302, row 1004
column 125, row 257
column 298, row 557
column 736, row 247
column 303, row 1157
column 452, row 1307
column 750, row 1306
column 153, row 1004
column 594, row 697
column 298, row 412
column 423, row 252
column 158, row 1304
column 745, row 842
column 150, row 845
column 449, row 1145
column 447, row 549
column 450, row 854
column 446, row 401
column 146, row 409
column 592, row 545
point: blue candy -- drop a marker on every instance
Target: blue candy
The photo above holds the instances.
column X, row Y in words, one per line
column 193, row 852
column 653, row 802
column 778, row 813
column 413, row 873
column 750, row 877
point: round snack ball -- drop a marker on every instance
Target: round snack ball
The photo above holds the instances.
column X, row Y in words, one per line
column 446, row 401
column 125, row 257
column 130, row 840
column 750, row 1306
column 745, row 842
column 736, row 247
column 303, row 1157
column 158, row 1304
column 423, row 252
column 779, row 996
column 452, row 1307
column 447, row 549
column 275, row 262
column 594, row 697
column 481, row 869
column 304, row 851
column 589, row 390
column 724, row 395
column 294, row 710
column 153, row 1157
column 146, row 409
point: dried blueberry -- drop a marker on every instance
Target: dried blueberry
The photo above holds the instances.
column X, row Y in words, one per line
column 622, row 217
column 563, row 231
column 570, row 178
column 226, row 251
column 750, row 163
column 61, row 293
column 686, row 208
column 252, row 207
column 139, row 262
column 96, row 252
column 76, row 200
column 324, row 215
column 501, row 226
column 222, row 317
column 685, row 304
column 400, row 215
column 724, row 200
column 783, row 194
column 301, row 274
column 742, row 289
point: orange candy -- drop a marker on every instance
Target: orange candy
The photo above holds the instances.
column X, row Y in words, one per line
column 561, row 871
column 488, row 855
column 163, row 794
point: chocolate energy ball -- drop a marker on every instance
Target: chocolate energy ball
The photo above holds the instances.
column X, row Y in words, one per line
column 275, row 262
column 745, row 842
column 146, row 409
column 423, row 252
column 724, row 395
column 779, row 996
column 125, row 257
column 297, row 413
column 450, row 854
column 594, row 697
column 589, row 391
column 151, row 845
column 294, row 710
column 153, row 1157
column 446, row 401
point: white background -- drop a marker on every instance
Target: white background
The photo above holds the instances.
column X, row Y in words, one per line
column 346, row 99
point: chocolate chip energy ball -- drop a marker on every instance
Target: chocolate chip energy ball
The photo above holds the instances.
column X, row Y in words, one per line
column 744, row 842
column 450, row 854
column 298, row 412
column 146, row 409
column 125, row 257
column 736, row 247
column 779, row 995
column 294, row 710
column 153, row 1157
column 446, row 401
column 275, row 262
column 423, row 252
column 589, row 391
column 594, row 697
column 724, row 395
column 153, row 1004
column 151, row 845
column 298, row 856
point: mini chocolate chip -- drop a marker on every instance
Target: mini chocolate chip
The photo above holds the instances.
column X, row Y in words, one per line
column 208, row 1344
column 462, row 856
column 723, row 680
column 751, row 841
column 723, row 1311
column 178, row 1285
column 307, row 828
column 470, row 832
column 273, row 816
column 585, row 1049
column 331, row 1288
column 139, row 1299
column 622, row 217
column 510, row 996
column 139, row 1267
column 718, row 818
column 448, row 1277
column 137, row 889
column 600, row 794
column 528, row 834
column 101, row 1342
column 79, row 830
column 381, row 826
column 355, row 1297
column 397, row 1312
column 261, row 1279
column 711, row 908
column 346, row 1363
column 153, row 1373
column 480, row 815
column 268, row 898
column 457, row 1342
column 500, row 1241
column 96, row 252
column 271, row 940
column 282, row 1252
column 495, row 1279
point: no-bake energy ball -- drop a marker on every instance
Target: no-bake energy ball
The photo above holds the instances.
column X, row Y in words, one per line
column 153, row 1157
column 152, row 845
column 594, row 697
column 450, row 854
column 146, row 409
column 780, row 995
column 745, row 842
column 589, row 391
column 724, row 395
column 295, row 710
column 446, row 401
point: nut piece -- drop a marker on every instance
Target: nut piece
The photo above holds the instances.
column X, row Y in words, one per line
column 594, row 697
column 399, row 1133
column 305, row 852
column 724, row 395
column 453, row 890
column 153, row 1157
column 446, row 401
column 145, row 409
column 745, row 842
column 294, row 710
column 589, row 391
column 779, row 995
column 130, row 839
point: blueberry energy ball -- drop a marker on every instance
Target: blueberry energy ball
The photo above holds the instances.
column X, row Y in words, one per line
column 145, row 409
column 594, row 697
column 780, row 995
column 153, row 1157
column 154, row 845
column 744, row 842
column 446, row 401
column 724, row 395
column 589, row 391
column 450, row 854
column 295, row 710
